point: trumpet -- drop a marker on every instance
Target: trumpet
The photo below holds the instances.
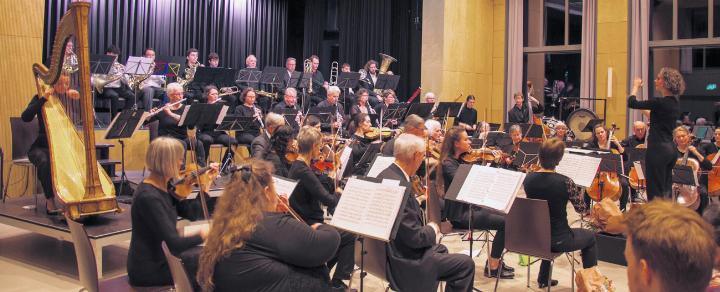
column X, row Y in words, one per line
column 334, row 68
column 307, row 66
column 162, row 108
column 228, row 91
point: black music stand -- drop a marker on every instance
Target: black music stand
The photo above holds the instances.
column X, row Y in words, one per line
column 497, row 138
column 294, row 80
column 237, row 123
column 273, row 76
column 325, row 114
column 345, row 81
column 684, row 175
column 249, row 77
column 395, row 111
column 387, row 81
column 421, row 109
column 202, row 115
column 366, row 159
column 591, row 125
column 528, row 130
column 123, row 126
column 609, row 162
column 220, row 77
column 290, row 116
column 448, row 109
column 101, row 64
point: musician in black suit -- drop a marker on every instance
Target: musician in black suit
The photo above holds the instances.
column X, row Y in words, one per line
column 519, row 113
column 260, row 146
column 290, row 64
column 319, row 85
column 416, row 261
column 371, row 76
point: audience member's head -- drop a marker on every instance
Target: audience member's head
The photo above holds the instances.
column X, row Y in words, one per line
column 668, row 248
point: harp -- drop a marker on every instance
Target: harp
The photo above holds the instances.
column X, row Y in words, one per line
column 78, row 181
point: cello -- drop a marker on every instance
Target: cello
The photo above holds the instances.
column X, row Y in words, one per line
column 606, row 183
column 78, row 180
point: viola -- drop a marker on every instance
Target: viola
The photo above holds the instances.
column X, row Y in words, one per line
column 190, row 177
column 482, row 155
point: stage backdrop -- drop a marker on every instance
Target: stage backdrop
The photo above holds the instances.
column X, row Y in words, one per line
column 231, row 28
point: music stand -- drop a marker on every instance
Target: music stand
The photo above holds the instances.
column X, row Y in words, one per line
column 170, row 66
column 290, row 116
column 101, row 64
column 202, row 115
column 591, row 125
column 368, row 157
column 494, row 126
column 395, row 111
column 237, row 123
column 421, row 109
column 448, row 109
column 305, row 79
column 249, row 77
column 273, row 76
column 387, row 81
column 348, row 80
column 123, row 126
column 498, row 138
column 294, row 80
column 325, row 114
column 683, row 175
column 220, row 77
column 704, row 133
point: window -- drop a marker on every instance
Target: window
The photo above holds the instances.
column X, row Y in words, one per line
column 551, row 61
column 684, row 35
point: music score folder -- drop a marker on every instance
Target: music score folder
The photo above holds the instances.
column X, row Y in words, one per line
column 370, row 208
column 484, row 186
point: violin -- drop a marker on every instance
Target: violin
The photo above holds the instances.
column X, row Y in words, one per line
column 374, row 133
column 190, row 177
column 482, row 155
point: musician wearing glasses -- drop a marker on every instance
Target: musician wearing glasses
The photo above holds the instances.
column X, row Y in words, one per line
column 289, row 104
column 213, row 60
column 248, row 109
column 388, row 96
column 151, row 87
column 208, row 135
column 118, row 88
column 361, row 105
column 337, row 119
column 253, row 246
column 290, row 65
column 310, row 195
column 416, row 261
column 168, row 118
column 638, row 136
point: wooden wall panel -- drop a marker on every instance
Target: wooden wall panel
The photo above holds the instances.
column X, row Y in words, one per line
column 21, row 32
column 612, row 52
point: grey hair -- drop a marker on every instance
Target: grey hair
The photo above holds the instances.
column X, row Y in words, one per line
column 273, row 120
column 333, row 90
column 174, row 87
column 414, row 121
column 673, row 80
column 432, row 125
column 514, row 128
column 290, row 89
column 406, row 145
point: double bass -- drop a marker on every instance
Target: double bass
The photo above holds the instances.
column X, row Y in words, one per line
column 78, row 180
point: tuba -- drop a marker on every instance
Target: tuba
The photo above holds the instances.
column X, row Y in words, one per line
column 78, row 180
column 386, row 61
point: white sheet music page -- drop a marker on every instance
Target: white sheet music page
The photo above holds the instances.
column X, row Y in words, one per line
column 368, row 208
column 491, row 187
column 344, row 158
column 380, row 164
column 580, row 168
column 284, row 186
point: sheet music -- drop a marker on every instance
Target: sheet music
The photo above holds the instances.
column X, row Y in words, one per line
column 184, row 115
column 344, row 158
column 639, row 170
column 368, row 208
column 491, row 187
column 194, row 227
column 214, row 193
column 580, row 168
column 380, row 164
column 222, row 114
column 284, row 186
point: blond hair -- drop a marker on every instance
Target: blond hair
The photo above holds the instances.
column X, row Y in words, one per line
column 676, row 243
column 307, row 139
column 164, row 155
column 236, row 215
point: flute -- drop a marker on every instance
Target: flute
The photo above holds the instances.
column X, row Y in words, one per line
column 157, row 111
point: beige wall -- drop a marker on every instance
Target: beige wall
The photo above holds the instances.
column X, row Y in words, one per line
column 612, row 51
column 21, row 32
column 463, row 52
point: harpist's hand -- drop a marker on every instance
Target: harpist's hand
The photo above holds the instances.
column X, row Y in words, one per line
column 73, row 94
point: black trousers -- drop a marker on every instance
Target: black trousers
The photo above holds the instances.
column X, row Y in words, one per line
column 484, row 219
column 345, row 256
column 114, row 94
column 244, row 138
column 146, row 95
column 457, row 270
column 223, row 139
column 579, row 239
column 40, row 157
column 658, row 169
column 199, row 150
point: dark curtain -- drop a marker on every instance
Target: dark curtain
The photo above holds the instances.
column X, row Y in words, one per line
column 365, row 29
column 231, row 28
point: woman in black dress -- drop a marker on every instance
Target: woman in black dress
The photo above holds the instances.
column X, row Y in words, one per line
column 248, row 109
column 456, row 143
column 154, row 216
column 253, row 247
column 360, row 124
column 557, row 190
column 663, row 113
column 280, row 142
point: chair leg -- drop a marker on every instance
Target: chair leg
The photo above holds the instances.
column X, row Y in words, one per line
column 7, row 184
column 528, row 273
column 549, row 280
column 500, row 268
column 572, row 272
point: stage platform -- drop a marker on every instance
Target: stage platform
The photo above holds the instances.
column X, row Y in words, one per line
column 103, row 230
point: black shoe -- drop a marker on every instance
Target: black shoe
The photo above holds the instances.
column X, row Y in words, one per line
column 505, row 267
column 339, row 285
column 553, row 283
column 504, row 274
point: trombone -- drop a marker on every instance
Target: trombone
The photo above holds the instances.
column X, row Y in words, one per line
column 228, row 90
